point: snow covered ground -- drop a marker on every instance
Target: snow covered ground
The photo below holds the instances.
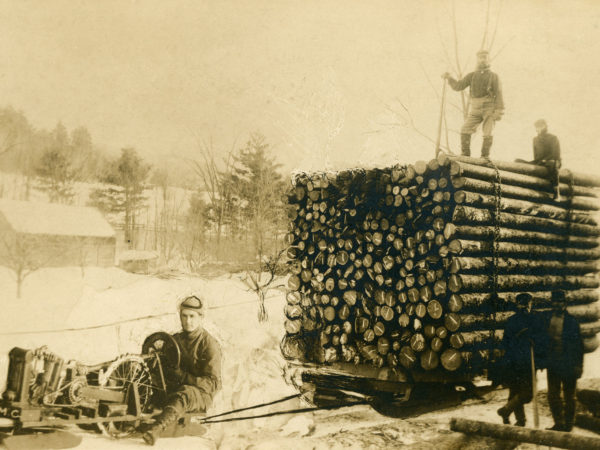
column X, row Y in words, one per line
column 62, row 299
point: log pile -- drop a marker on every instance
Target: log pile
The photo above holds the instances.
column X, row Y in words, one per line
column 398, row 267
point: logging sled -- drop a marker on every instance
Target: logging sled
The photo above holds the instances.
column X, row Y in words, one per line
column 402, row 278
column 45, row 393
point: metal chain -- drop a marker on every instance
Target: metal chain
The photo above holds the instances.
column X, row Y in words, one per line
column 569, row 207
column 497, row 185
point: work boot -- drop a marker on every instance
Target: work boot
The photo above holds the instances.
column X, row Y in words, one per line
column 465, row 144
column 520, row 415
column 504, row 412
column 556, row 193
column 163, row 420
column 486, row 146
column 556, row 427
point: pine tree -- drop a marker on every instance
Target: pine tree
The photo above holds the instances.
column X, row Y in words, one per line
column 260, row 187
column 127, row 179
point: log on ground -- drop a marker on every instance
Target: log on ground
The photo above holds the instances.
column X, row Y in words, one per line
column 521, row 434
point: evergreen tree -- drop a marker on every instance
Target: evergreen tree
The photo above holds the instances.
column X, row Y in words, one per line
column 55, row 176
column 127, row 179
column 260, row 187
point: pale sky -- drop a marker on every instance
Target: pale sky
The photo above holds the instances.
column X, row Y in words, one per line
column 321, row 79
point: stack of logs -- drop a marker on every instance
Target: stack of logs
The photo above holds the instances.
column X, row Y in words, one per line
column 418, row 266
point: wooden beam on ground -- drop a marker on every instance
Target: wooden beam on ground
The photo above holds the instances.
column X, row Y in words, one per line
column 521, row 434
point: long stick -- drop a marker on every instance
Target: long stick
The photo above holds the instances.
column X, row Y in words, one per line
column 439, row 131
column 536, row 417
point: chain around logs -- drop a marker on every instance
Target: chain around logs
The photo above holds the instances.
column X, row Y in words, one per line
column 497, row 184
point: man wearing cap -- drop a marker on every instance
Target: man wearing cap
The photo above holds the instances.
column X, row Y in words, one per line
column 487, row 103
column 191, row 386
column 546, row 152
column 565, row 362
column 520, row 334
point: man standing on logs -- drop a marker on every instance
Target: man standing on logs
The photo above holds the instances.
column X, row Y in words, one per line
column 487, row 104
column 565, row 362
column 520, row 334
column 192, row 385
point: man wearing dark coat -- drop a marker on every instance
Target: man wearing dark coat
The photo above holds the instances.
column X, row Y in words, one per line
column 546, row 152
column 191, row 386
column 486, row 106
column 565, row 362
column 521, row 332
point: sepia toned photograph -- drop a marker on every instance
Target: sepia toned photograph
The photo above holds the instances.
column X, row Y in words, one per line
column 277, row 224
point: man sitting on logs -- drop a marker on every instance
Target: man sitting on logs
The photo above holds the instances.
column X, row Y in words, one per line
column 487, row 104
column 192, row 385
column 565, row 362
column 522, row 331
column 546, row 152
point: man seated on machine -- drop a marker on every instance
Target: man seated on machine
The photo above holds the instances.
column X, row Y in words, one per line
column 191, row 386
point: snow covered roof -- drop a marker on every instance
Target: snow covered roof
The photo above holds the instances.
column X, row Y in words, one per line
column 54, row 219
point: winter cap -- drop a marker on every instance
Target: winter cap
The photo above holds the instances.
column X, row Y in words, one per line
column 193, row 303
column 540, row 123
column 559, row 296
column 523, row 298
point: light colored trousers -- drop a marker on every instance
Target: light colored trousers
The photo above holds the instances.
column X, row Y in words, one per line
column 481, row 110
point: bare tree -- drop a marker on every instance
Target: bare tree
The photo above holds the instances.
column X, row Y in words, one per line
column 215, row 176
column 262, row 280
column 22, row 256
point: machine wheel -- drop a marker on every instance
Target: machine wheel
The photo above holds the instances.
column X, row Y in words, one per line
column 165, row 346
column 120, row 375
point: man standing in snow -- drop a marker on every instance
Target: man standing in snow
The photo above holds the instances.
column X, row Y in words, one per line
column 191, row 386
column 487, row 104
column 565, row 362
column 520, row 334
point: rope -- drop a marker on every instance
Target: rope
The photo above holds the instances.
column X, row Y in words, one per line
column 119, row 322
column 281, row 400
column 290, row 411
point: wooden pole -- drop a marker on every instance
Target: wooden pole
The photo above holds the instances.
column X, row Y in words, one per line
column 521, row 434
column 536, row 416
column 439, row 130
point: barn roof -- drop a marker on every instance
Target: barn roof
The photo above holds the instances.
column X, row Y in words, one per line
column 54, row 219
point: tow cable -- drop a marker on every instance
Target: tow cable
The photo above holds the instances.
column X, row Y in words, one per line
column 205, row 420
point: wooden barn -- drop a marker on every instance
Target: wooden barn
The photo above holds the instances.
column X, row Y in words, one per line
column 55, row 235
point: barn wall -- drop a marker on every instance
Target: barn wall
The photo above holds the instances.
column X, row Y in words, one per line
column 59, row 251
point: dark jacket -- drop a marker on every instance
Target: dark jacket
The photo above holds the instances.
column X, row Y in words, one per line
column 545, row 148
column 200, row 361
column 568, row 361
column 483, row 83
column 520, row 332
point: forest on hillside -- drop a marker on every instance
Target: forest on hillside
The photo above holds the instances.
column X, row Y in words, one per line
column 224, row 205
